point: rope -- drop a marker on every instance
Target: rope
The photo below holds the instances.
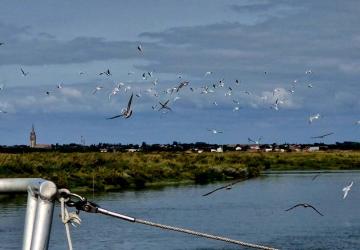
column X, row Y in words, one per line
column 199, row 234
column 65, row 220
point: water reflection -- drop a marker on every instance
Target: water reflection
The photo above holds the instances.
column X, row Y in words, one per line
column 251, row 211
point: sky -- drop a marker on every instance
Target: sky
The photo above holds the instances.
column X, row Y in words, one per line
column 273, row 63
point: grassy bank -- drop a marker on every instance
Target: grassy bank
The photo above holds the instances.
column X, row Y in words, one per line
column 138, row 170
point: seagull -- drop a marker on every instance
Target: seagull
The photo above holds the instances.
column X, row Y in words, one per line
column 276, row 105
column 107, row 72
column 208, row 73
column 357, row 122
column 182, row 84
column 139, row 47
column 322, row 136
column 2, row 86
column 59, row 86
column 308, row 71
column 256, row 142
column 276, row 90
column 305, row 205
column 237, row 82
column 2, row 44
column 236, row 109
column 229, row 93
column 164, row 106
column 23, row 72
column 292, row 90
column 97, row 88
column 47, row 92
column 236, row 101
column 214, row 131
column 155, row 82
column 314, row 117
column 3, row 111
column 310, row 85
column 125, row 112
column 316, row 176
column 347, row 189
column 228, row 186
column 115, row 91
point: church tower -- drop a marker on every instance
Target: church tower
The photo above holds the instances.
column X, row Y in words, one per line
column 32, row 137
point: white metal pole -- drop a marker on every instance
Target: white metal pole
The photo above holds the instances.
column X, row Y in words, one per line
column 44, row 215
column 29, row 219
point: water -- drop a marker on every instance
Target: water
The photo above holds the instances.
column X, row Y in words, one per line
column 253, row 211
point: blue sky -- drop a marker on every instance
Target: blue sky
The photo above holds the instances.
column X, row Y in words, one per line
column 235, row 40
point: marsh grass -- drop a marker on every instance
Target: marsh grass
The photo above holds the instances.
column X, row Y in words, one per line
column 118, row 171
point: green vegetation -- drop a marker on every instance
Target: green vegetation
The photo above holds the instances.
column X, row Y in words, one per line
column 116, row 171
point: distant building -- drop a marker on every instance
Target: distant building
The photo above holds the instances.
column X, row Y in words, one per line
column 32, row 137
column 33, row 143
column 313, row 149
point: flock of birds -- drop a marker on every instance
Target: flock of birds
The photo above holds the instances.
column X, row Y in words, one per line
column 167, row 97
column 172, row 95
column 345, row 190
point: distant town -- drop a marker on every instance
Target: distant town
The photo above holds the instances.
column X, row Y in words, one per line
column 197, row 147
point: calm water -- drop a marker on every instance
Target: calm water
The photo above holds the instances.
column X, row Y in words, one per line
column 252, row 211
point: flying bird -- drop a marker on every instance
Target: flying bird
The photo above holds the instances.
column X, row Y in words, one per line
column 321, row 136
column 97, row 88
column 181, row 85
column 125, row 112
column 315, row 176
column 59, row 86
column 115, row 91
column 208, row 73
column 139, row 47
column 228, row 186
column 305, row 205
column 164, row 106
column 23, row 72
column 256, row 142
column 276, row 104
column 236, row 109
column 107, row 72
column 347, row 189
column 314, row 117
column 214, row 131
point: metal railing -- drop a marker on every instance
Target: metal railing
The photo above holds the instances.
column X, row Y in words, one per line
column 40, row 207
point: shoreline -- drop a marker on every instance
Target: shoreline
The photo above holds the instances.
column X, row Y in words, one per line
column 289, row 172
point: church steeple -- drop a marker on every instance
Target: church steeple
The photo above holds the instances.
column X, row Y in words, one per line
column 32, row 137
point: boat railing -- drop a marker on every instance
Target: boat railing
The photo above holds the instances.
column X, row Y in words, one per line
column 39, row 211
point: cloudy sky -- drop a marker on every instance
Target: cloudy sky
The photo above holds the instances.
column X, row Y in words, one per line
column 302, row 54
